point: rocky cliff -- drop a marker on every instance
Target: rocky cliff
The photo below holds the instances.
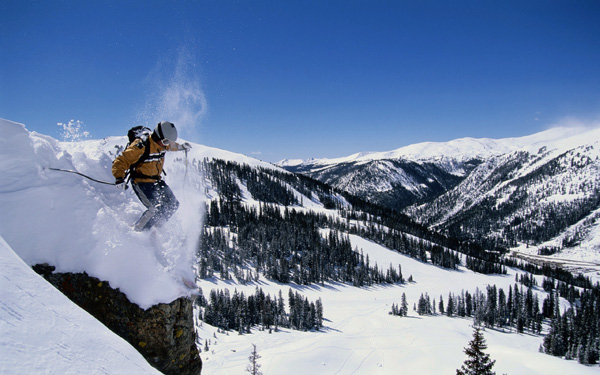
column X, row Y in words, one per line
column 164, row 334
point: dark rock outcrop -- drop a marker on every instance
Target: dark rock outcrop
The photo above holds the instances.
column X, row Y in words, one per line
column 164, row 334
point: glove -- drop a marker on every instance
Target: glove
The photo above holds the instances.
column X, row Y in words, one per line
column 186, row 146
column 121, row 184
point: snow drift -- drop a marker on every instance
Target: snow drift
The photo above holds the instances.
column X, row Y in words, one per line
column 42, row 331
column 78, row 225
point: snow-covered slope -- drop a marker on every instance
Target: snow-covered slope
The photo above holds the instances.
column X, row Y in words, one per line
column 43, row 332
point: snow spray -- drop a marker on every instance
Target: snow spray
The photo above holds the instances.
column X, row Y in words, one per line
column 175, row 94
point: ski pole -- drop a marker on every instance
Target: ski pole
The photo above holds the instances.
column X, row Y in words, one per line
column 186, row 164
column 82, row 175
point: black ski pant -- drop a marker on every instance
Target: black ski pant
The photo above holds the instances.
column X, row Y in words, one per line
column 159, row 200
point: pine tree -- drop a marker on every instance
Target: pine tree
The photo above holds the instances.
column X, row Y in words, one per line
column 404, row 305
column 319, row 314
column 477, row 363
column 253, row 367
column 450, row 308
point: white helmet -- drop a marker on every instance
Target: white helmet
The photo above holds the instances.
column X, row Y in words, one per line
column 166, row 131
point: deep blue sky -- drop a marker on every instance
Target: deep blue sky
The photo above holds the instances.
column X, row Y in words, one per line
column 299, row 79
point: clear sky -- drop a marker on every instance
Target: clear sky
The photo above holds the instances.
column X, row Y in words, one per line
column 301, row 78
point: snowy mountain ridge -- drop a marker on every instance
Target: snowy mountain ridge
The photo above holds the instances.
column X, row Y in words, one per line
column 423, row 171
column 462, row 149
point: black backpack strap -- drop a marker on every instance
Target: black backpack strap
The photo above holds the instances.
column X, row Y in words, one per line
column 146, row 144
column 135, row 174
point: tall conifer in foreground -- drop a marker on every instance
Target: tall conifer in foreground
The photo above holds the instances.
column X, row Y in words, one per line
column 253, row 367
column 477, row 363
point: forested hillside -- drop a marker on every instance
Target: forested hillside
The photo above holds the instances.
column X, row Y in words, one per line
column 293, row 228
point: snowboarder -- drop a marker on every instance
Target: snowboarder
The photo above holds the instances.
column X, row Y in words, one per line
column 144, row 158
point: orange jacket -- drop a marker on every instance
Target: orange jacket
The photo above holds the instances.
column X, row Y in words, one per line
column 150, row 170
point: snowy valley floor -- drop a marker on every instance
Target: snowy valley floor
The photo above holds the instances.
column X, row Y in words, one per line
column 360, row 337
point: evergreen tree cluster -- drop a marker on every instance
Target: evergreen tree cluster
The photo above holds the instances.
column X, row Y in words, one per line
column 576, row 333
column 265, row 184
column 485, row 266
column 444, row 257
column 402, row 309
column 424, row 306
column 568, row 280
column 241, row 313
column 284, row 244
column 495, row 308
column 519, row 308
column 391, row 236
column 304, row 315
column 397, row 232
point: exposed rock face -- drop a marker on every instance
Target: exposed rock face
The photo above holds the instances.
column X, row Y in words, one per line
column 164, row 334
